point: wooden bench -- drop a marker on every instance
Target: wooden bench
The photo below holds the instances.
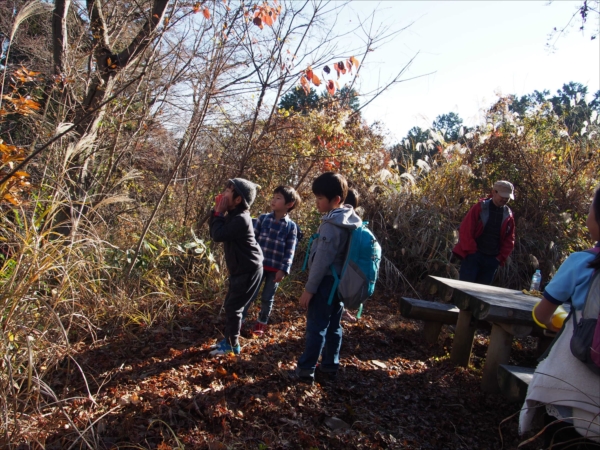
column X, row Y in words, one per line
column 513, row 381
column 432, row 313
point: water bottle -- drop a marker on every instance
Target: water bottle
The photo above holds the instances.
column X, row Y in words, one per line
column 536, row 279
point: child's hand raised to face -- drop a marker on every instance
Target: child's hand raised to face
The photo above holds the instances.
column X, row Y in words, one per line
column 221, row 203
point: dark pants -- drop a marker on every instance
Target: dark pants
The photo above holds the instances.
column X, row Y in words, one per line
column 267, row 298
column 242, row 289
column 323, row 332
column 478, row 268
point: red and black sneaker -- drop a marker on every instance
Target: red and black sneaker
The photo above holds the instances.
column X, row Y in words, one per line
column 259, row 328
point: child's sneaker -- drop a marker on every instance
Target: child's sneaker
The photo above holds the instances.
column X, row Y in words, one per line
column 223, row 348
column 295, row 376
column 259, row 328
column 348, row 317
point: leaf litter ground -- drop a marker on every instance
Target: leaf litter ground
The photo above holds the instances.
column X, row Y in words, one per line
column 160, row 388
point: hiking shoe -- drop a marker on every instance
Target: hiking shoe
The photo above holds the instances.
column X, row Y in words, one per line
column 325, row 376
column 223, row 348
column 259, row 328
column 294, row 376
column 346, row 316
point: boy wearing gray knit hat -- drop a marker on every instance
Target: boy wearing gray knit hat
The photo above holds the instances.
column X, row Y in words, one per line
column 243, row 256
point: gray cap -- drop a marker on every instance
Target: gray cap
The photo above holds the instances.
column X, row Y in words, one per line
column 505, row 189
column 247, row 189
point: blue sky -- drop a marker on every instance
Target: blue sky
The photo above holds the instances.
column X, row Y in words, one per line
column 476, row 49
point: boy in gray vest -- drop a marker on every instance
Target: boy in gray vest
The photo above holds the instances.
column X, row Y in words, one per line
column 323, row 329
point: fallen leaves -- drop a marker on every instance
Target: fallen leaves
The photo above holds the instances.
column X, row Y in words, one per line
column 385, row 396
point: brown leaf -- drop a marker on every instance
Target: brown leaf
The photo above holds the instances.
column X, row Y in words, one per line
column 309, row 73
column 305, row 85
column 206, row 13
column 331, row 87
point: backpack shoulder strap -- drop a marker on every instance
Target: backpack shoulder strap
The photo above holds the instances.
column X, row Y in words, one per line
column 591, row 309
column 312, row 238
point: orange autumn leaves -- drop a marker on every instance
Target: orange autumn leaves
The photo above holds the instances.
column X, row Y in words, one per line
column 341, row 67
column 198, row 6
column 205, row 11
column 15, row 104
column 18, row 183
column 263, row 14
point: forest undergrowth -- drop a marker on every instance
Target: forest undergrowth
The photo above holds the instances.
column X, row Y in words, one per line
column 157, row 387
column 120, row 122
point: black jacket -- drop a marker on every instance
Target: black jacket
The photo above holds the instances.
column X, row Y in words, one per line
column 235, row 230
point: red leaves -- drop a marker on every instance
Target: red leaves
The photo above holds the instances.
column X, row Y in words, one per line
column 309, row 77
column 265, row 14
column 331, row 87
column 330, row 164
column 305, row 84
column 341, row 68
column 206, row 13
column 309, row 73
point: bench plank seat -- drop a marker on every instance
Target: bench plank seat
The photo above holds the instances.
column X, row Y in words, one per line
column 432, row 313
column 514, row 381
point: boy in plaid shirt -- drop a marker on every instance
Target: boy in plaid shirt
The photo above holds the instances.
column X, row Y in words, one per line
column 277, row 236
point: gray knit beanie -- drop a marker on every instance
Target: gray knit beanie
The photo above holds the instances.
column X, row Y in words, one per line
column 247, row 189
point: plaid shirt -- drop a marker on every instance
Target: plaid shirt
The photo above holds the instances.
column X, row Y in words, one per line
column 278, row 240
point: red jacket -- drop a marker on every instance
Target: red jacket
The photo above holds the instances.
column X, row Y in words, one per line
column 472, row 226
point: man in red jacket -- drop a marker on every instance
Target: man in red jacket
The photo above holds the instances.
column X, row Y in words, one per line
column 486, row 236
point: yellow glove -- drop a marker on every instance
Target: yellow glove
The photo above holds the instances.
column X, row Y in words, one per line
column 559, row 316
column 557, row 319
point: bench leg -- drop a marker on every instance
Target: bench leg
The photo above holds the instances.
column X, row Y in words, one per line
column 498, row 353
column 431, row 330
column 463, row 339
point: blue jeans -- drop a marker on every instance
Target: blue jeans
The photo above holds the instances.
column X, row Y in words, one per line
column 267, row 298
column 478, row 268
column 323, row 332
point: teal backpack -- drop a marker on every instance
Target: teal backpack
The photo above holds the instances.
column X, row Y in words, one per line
column 356, row 283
